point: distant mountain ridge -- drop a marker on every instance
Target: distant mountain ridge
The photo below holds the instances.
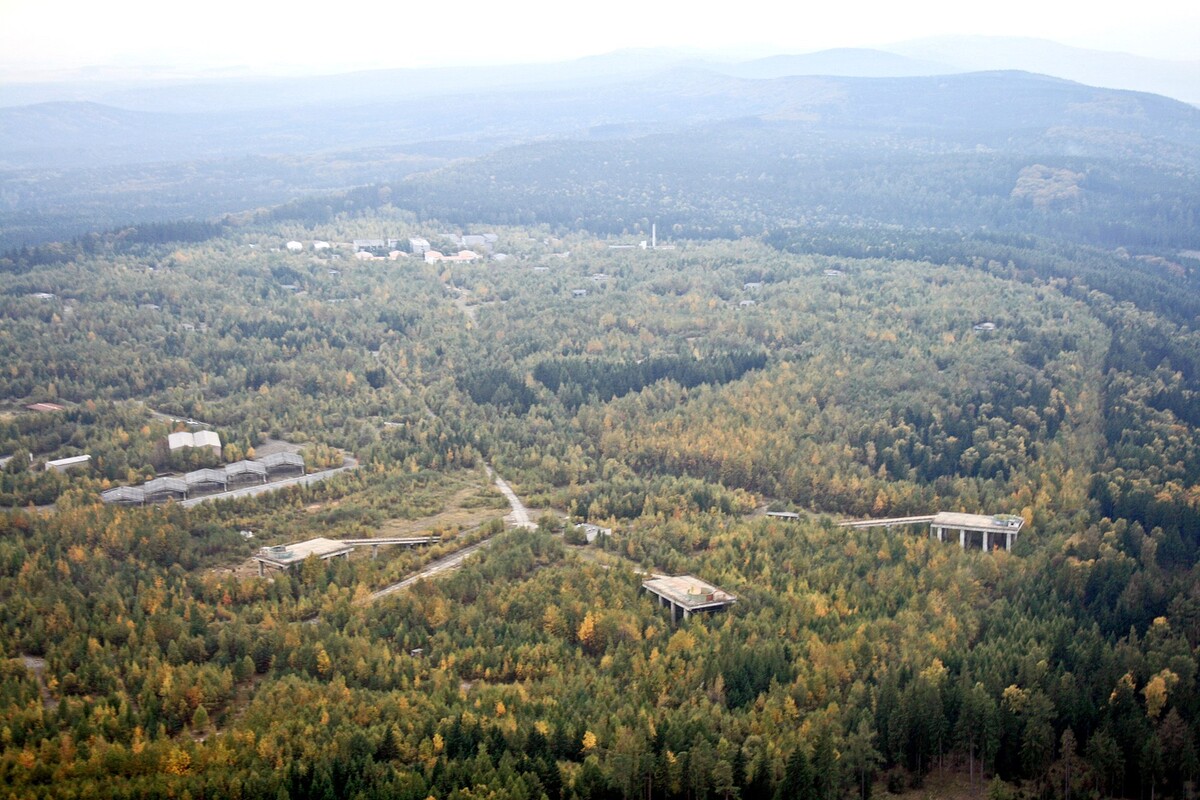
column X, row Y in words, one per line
column 946, row 122
column 1177, row 79
column 953, row 107
column 942, row 56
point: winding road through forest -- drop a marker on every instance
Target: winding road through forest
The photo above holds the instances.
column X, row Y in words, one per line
column 517, row 518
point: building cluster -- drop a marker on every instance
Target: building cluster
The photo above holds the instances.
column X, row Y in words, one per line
column 167, row 488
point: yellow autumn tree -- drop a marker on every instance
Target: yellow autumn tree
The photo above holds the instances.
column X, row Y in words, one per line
column 586, row 634
column 324, row 662
column 1156, row 691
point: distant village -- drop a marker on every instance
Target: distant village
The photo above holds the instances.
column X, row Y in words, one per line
column 469, row 247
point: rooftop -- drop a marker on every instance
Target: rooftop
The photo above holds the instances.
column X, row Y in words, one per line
column 68, row 462
column 294, row 553
column 981, row 522
column 690, row 592
column 199, row 439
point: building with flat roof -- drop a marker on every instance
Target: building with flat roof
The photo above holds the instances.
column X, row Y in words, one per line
column 986, row 529
column 982, row 529
column 687, row 595
column 284, row 556
column 64, row 464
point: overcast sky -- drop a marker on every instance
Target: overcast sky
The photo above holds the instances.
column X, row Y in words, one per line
column 308, row 37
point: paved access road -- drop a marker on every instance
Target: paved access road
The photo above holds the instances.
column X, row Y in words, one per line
column 443, row 564
column 519, row 517
column 259, row 488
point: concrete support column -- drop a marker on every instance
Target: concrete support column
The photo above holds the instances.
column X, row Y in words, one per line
column 260, row 569
column 962, row 538
column 1008, row 537
column 374, row 551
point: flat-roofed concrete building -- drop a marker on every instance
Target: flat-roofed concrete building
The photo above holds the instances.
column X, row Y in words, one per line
column 983, row 530
column 687, row 595
column 972, row 528
column 284, row 556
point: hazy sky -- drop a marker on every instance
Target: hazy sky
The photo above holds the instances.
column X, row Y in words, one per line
column 309, row 37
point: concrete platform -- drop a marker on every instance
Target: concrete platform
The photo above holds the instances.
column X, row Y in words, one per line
column 285, row 556
column 687, row 594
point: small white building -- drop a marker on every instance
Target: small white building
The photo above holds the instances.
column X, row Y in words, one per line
column 318, row 245
column 592, row 532
column 181, row 439
column 64, row 464
column 418, row 246
column 295, row 247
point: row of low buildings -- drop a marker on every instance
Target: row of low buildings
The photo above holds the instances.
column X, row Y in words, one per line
column 258, row 470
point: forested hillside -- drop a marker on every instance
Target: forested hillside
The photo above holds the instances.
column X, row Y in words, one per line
column 702, row 154
column 673, row 395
